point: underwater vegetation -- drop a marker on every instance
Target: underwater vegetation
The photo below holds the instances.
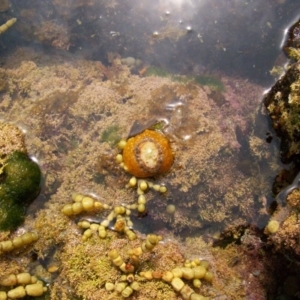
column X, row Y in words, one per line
column 20, row 185
column 131, row 260
column 20, row 177
column 76, row 112
column 283, row 106
column 176, row 224
column 212, row 81
column 21, row 285
column 11, row 214
column 111, row 135
column 283, row 101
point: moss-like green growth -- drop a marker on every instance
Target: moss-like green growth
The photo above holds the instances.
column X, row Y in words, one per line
column 11, row 213
column 111, row 135
column 20, row 185
column 23, row 177
column 157, row 71
column 213, row 82
column 160, row 72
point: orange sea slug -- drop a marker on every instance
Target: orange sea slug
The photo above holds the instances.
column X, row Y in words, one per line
column 148, row 154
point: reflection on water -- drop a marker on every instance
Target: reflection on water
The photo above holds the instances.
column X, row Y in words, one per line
column 82, row 75
column 232, row 35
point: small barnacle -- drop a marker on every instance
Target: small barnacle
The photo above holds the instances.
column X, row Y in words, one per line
column 147, row 154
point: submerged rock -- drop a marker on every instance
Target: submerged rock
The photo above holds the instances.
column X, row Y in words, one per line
column 283, row 101
column 283, row 106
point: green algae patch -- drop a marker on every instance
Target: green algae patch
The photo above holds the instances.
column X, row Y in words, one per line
column 87, row 268
column 212, row 81
column 160, row 72
column 11, row 213
column 111, row 135
column 157, row 71
column 20, row 185
column 23, row 177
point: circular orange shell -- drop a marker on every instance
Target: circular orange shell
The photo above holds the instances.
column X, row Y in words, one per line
column 148, row 154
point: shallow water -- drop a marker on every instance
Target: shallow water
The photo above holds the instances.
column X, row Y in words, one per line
column 83, row 75
column 224, row 46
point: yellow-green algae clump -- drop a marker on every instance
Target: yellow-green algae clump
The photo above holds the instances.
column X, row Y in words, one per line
column 20, row 177
column 133, row 261
column 285, row 236
column 20, row 185
column 87, row 267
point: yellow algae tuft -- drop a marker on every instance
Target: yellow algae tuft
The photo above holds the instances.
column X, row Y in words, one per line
column 11, row 139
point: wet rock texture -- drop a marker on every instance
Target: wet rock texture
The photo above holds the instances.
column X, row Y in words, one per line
column 283, row 106
column 283, row 101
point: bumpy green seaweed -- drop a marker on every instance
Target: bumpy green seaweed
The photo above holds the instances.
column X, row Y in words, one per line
column 20, row 185
column 12, row 214
column 23, row 177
